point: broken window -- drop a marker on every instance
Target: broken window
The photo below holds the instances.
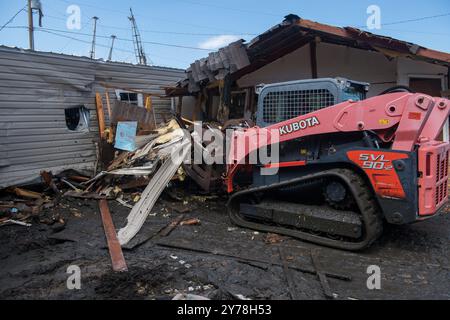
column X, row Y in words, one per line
column 132, row 98
column 77, row 118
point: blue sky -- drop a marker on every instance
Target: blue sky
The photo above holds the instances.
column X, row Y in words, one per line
column 207, row 24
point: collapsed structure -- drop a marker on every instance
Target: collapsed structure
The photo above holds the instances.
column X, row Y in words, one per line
column 223, row 85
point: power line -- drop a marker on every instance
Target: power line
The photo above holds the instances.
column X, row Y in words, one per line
column 163, row 31
column 416, row 19
column 57, row 32
column 123, row 39
column 13, row 17
column 146, row 16
column 249, row 34
column 98, row 44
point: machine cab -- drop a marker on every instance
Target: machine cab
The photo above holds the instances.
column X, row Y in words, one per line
column 286, row 100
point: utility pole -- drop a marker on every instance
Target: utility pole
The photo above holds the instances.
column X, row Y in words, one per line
column 113, row 37
column 30, row 26
column 137, row 42
column 93, row 38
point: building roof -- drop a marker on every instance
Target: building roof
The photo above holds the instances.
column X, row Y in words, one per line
column 290, row 35
column 84, row 58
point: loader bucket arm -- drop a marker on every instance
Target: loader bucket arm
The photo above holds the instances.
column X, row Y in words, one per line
column 405, row 114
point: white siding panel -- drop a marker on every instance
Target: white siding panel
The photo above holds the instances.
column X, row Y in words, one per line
column 36, row 88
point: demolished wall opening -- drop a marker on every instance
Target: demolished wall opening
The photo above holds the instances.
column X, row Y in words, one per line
column 77, row 118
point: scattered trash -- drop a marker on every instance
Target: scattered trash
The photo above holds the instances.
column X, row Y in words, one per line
column 10, row 221
column 119, row 200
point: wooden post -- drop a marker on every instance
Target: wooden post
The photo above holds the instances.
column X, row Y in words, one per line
column 108, row 105
column 100, row 115
column 149, row 107
column 179, row 105
column 148, row 103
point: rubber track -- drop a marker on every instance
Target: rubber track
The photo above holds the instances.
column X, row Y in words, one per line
column 370, row 212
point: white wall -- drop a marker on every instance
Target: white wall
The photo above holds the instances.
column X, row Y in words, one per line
column 293, row 66
column 407, row 67
column 342, row 61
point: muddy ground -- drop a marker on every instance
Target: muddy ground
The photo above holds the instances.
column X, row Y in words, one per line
column 213, row 259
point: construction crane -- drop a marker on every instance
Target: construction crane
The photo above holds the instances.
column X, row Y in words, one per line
column 137, row 42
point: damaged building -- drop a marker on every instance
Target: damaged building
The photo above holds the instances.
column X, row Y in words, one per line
column 222, row 86
column 48, row 117
column 110, row 144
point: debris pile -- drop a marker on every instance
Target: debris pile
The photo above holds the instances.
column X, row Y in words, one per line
column 156, row 161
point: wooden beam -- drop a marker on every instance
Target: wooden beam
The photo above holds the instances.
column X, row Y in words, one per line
column 100, row 115
column 108, row 104
column 115, row 250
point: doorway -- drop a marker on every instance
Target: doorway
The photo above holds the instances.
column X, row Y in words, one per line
column 432, row 86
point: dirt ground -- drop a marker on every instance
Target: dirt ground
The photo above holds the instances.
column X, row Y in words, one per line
column 214, row 258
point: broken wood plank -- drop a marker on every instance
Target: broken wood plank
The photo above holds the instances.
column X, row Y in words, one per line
column 115, row 250
column 322, row 277
column 288, row 274
column 79, row 178
column 190, row 222
column 172, row 225
column 48, row 179
column 84, row 195
column 27, row 193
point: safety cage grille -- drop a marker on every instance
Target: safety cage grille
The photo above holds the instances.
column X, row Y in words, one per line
column 284, row 105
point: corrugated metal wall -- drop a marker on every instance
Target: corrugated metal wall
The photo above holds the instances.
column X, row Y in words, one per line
column 36, row 88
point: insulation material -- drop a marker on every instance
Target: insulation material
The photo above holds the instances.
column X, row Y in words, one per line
column 174, row 155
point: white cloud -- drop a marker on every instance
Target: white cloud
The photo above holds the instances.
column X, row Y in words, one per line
column 217, row 42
